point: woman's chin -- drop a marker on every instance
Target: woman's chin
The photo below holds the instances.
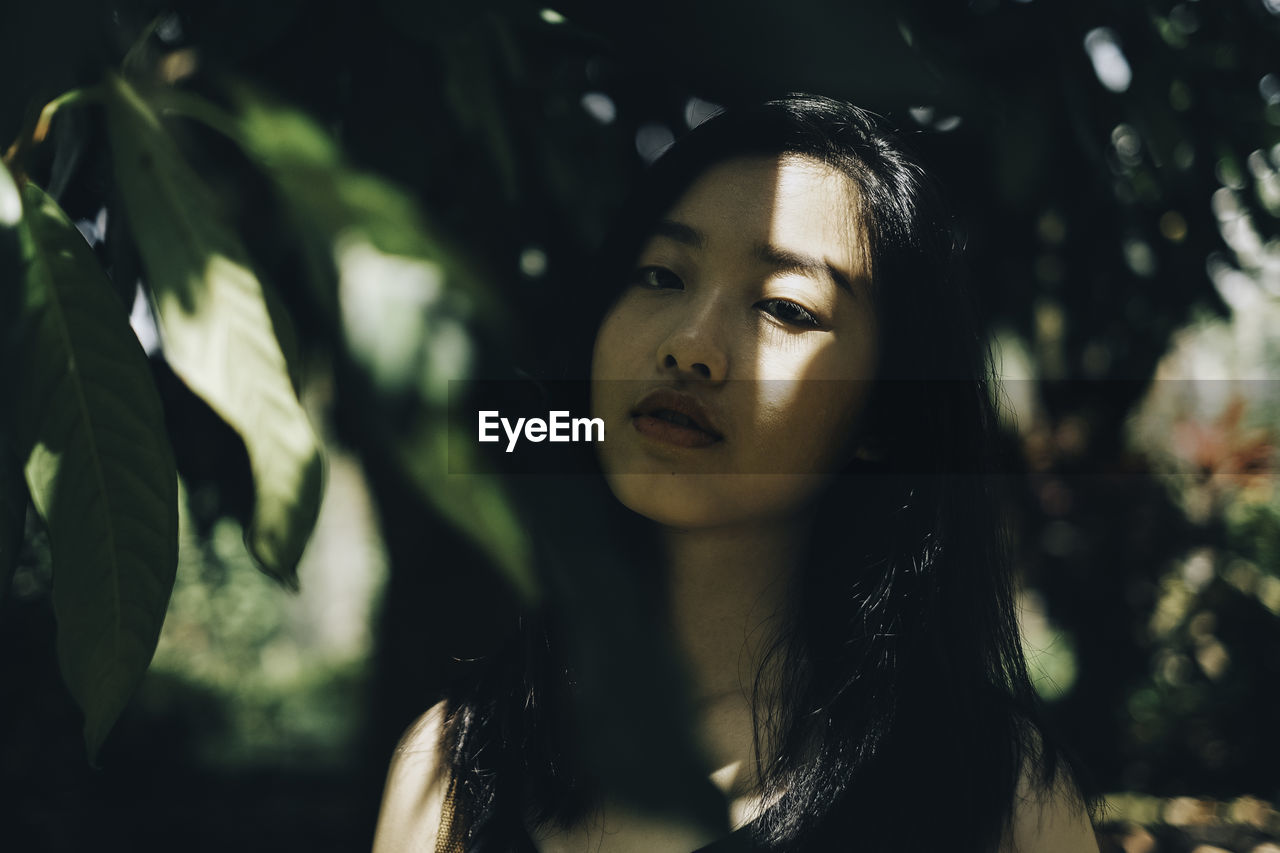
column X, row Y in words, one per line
column 671, row 501
column 703, row 501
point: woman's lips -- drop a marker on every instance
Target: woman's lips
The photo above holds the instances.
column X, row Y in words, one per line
column 672, row 433
column 675, row 417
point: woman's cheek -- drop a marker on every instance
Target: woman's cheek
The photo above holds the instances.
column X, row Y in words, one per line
column 615, row 342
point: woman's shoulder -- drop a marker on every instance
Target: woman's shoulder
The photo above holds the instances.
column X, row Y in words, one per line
column 414, row 798
column 1049, row 815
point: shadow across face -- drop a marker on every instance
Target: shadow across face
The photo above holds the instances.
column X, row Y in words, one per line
column 741, row 351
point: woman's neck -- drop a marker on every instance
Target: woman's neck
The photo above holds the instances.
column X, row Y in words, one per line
column 728, row 591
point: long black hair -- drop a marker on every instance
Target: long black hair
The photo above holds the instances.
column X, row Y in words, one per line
column 906, row 716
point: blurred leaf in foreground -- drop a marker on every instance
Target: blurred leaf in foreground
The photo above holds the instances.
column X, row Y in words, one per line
column 13, row 495
column 13, row 513
column 407, row 306
column 216, row 328
column 98, row 465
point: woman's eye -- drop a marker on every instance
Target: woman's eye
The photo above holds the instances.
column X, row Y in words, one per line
column 657, row 278
column 789, row 312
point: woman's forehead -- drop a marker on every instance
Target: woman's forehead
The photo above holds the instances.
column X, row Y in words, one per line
column 792, row 202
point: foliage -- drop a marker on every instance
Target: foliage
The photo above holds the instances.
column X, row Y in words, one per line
column 291, row 698
column 222, row 332
column 98, row 466
column 217, row 331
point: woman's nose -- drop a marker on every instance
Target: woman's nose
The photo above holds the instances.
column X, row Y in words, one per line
column 693, row 350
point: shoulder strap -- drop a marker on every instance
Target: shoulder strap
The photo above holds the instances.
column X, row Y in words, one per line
column 448, row 840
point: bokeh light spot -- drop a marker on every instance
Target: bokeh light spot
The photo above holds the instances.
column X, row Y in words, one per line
column 600, row 107
column 533, row 262
column 696, row 111
column 1173, row 226
column 652, row 139
column 1109, row 62
column 1127, row 143
column 1184, row 18
column 1180, row 96
column 1052, row 228
column 1139, row 257
column 1269, row 88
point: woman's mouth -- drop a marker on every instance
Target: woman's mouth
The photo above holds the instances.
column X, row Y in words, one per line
column 674, row 417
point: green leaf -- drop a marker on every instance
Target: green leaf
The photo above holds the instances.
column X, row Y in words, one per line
column 216, row 327
column 98, row 465
column 336, row 206
column 406, row 303
column 13, row 493
column 10, row 200
column 409, row 308
column 476, row 504
column 13, row 514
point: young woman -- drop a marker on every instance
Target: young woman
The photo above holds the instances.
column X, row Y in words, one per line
column 797, row 401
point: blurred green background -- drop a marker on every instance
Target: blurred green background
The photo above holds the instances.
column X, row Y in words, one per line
column 1116, row 171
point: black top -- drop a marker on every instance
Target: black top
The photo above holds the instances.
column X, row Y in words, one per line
column 735, row 842
column 738, row 841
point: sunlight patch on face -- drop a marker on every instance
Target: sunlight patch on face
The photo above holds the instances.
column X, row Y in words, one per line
column 769, row 298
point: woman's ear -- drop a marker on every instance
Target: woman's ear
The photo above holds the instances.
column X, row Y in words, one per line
column 869, row 447
column 862, row 447
column 869, row 451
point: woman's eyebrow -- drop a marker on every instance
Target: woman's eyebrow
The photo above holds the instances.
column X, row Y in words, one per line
column 679, row 232
column 785, row 260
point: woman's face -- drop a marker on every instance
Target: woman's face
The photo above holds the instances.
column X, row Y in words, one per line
column 732, row 371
